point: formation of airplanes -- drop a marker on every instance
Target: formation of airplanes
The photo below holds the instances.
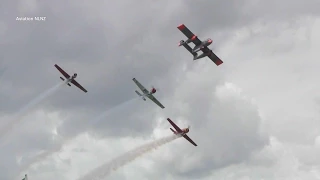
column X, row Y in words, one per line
column 199, row 46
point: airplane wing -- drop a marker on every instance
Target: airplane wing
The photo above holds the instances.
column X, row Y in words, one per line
column 212, row 56
column 78, row 85
column 190, row 140
column 152, row 98
column 143, row 89
column 66, row 75
column 174, row 125
column 189, row 34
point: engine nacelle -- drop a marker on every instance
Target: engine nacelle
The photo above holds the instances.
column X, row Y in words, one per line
column 69, row 84
column 74, row 75
column 182, row 42
column 209, row 41
column 153, row 90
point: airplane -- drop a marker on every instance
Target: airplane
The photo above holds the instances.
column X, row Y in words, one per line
column 181, row 132
column 199, row 46
column 146, row 93
column 70, row 79
column 25, row 177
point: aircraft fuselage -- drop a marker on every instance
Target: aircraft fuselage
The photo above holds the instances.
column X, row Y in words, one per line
column 69, row 79
column 202, row 45
column 149, row 93
column 146, row 95
column 184, row 131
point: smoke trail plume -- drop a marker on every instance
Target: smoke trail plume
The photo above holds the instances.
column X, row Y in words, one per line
column 106, row 169
column 18, row 117
column 58, row 148
column 111, row 110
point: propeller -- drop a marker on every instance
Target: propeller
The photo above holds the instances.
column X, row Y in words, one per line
column 155, row 88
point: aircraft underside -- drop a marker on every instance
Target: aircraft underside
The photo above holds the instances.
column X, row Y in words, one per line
column 199, row 56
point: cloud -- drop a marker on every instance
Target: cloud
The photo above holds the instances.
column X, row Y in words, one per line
column 276, row 161
column 265, row 47
column 227, row 128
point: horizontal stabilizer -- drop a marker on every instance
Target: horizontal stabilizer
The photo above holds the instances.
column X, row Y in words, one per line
column 172, row 130
column 138, row 93
column 25, row 177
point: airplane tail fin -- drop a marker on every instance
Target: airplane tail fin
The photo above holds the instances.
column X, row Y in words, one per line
column 172, row 130
column 195, row 57
column 140, row 95
column 200, row 56
column 25, row 177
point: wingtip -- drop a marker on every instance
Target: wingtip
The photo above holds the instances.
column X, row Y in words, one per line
column 181, row 26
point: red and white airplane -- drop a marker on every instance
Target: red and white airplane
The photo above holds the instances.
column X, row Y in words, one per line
column 199, row 46
column 70, row 79
column 181, row 132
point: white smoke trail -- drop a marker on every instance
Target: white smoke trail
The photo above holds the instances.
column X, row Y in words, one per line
column 111, row 110
column 18, row 117
column 58, row 148
column 39, row 158
column 106, row 169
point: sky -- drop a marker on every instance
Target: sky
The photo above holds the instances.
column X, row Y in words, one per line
column 256, row 116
